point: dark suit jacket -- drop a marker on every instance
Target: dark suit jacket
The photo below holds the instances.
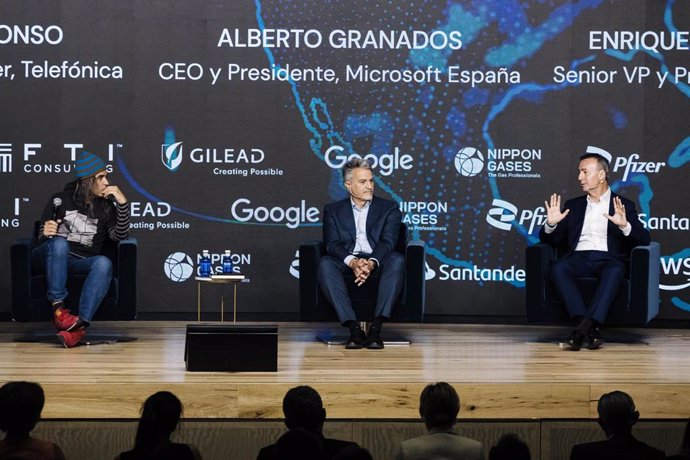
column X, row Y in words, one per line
column 383, row 228
column 569, row 229
column 616, row 448
column 329, row 448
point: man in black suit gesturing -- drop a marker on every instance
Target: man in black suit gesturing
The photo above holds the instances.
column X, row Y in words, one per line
column 599, row 230
column 361, row 233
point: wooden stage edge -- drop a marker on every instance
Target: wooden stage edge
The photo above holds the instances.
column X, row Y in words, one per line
column 501, row 372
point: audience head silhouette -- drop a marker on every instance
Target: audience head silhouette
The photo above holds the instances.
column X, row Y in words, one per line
column 21, row 404
column 509, row 447
column 159, row 417
column 439, row 405
column 617, row 413
column 303, row 408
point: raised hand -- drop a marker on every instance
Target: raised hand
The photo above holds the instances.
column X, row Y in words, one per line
column 115, row 191
column 553, row 210
column 618, row 216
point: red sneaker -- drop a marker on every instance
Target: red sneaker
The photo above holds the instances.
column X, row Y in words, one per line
column 63, row 320
column 72, row 339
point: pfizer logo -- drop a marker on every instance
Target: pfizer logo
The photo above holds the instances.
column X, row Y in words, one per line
column 178, row 267
column 294, row 266
column 469, row 161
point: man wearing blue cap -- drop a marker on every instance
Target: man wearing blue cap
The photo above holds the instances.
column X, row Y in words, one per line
column 74, row 226
column 599, row 229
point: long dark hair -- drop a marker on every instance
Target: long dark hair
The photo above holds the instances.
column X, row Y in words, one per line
column 85, row 199
column 159, row 417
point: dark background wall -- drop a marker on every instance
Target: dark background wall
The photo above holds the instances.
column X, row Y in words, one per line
column 241, row 164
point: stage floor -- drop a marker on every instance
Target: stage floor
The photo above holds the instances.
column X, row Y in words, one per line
column 501, row 372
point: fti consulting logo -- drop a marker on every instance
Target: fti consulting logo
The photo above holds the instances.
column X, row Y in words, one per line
column 171, row 155
column 178, row 267
column 5, row 158
column 469, row 161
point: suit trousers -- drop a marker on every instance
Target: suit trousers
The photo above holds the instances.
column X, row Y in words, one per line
column 331, row 279
column 588, row 264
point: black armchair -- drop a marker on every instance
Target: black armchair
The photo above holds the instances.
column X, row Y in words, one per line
column 410, row 306
column 636, row 303
column 29, row 302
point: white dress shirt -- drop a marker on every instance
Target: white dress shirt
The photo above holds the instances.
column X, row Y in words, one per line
column 362, row 245
column 595, row 226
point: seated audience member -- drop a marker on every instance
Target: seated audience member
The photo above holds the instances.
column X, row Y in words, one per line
column 509, row 447
column 617, row 415
column 21, row 404
column 303, row 408
column 299, row 443
column 684, row 453
column 353, row 452
column 439, row 405
column 159, row 418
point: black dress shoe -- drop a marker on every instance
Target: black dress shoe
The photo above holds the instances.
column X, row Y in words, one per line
column 594, row 338
column 374, row 341
column 574, row 342
column 356, row 339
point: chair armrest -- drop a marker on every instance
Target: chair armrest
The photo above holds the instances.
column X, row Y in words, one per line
column 309, row 255
column 538, row 258
column 644, row 283
column 20, row 262
column 415, row 280
column 127, row 279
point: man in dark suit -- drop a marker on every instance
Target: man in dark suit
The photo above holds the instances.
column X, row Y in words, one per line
column 304, row 417
column 599, row 229
column 361, row 233
column 617, row 415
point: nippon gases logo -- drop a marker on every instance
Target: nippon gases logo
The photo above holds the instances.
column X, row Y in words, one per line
column 424, row 215
column 179, row 267
column 223, row 161
column 28, row 157
column 504, row 214
column 630, row 165
column 385, row 164
column 509, row 163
